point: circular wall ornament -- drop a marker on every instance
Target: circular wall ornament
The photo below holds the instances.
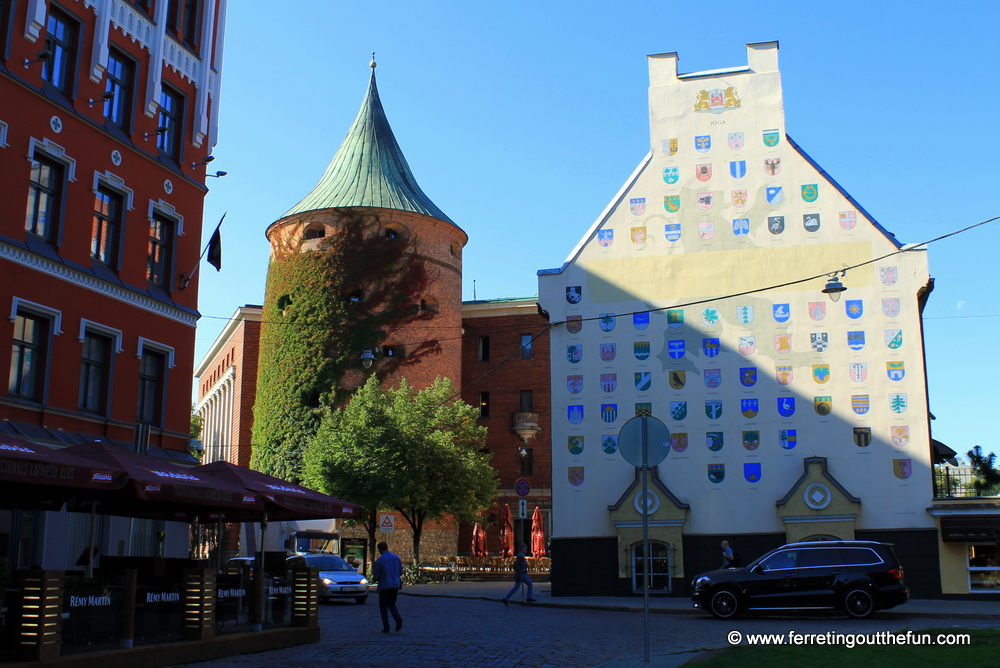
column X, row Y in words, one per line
column 651, row 505
column 116, row 158
column 168, row 186
column 817, row 496
column 56, row 124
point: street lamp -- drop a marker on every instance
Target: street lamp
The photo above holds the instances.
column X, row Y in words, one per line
column 367, row 358
column 834, row 287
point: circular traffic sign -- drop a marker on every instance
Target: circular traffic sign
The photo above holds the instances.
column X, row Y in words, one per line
column 657, row 439
column 522, row 487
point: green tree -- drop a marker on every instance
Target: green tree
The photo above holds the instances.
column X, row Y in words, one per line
column 323, row 307
column 987, row 479
column 416, row 452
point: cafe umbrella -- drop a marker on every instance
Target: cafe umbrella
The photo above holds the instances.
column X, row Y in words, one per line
column 537, row 534
column 506, row 532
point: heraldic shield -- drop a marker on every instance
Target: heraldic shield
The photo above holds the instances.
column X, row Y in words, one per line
column 574, row 384
column 716, row 473
column 677, row 379
column 609, row 443
column 574, row 323
column 748, row 376
column 862, row 436
column 575, row 475
column 823, row 405
column 751, row 472
column 574, row 444
column 786, row 406
column 640, row 320
column 675, row 348
column 640, row 350
column 902, row 468
column 747, row 344
column 713, row 409
column 608, row 351
column 609, row 382
column 643, row 381
column 784, row 374
column 675, row 317
column 574, row 293
column 751, row 440
column 679, row 441
column 900, row 435
column 749, row 407
column 788, row 438
column 780, row 312
column 574, row 414
column 713, row 377
column 714, row 440
column 607, row 322
column 678, row 410
column 609, row 412
column 574, row 354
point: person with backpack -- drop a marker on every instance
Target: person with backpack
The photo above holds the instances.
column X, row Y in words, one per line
column 520, row 575
column 729, row 558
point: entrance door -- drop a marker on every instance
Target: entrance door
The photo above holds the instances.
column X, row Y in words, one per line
column 659, row 567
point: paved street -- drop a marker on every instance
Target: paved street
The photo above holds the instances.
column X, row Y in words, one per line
column 450, row 631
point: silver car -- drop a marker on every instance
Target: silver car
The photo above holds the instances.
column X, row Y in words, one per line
column 337, row 578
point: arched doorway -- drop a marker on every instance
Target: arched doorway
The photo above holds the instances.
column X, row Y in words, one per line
column 659, row 553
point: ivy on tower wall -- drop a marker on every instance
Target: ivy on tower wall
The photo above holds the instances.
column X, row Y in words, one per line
column 327, row 300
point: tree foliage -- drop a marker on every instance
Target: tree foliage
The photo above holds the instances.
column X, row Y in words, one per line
column 416, row 452
column 987, row 480
column 324, row 305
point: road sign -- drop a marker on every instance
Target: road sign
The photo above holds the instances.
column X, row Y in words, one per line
column 522, row 508
column 522, row 487
column 657, row 438
column 386, row 523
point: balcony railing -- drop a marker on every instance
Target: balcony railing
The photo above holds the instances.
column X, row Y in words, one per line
column 960, row 482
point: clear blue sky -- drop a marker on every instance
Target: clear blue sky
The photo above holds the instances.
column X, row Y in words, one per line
column 521, row 120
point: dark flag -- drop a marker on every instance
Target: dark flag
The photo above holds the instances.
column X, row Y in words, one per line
column 215, row 249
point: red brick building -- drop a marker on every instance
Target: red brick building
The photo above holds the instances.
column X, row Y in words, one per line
column 107, row 120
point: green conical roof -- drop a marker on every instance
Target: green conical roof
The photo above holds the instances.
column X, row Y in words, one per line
column 369, row 169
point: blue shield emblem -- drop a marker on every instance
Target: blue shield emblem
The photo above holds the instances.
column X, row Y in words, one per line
column 574, row 384
column 643, row 380
column 673, row 231
column 574, row 354
column 574, row 414
column 710, row 347
column 608, row 351
column 640, row 320
column 713, row 377
column 771, row 137
column 751, row 472
column 788, row 438
column 641, row 350
column 605, row 237
column 609, row 382
column 702, row 143
column 637, row 205
column 856, row 340
column 716, row 473
column 607, row 322
column 748, row 376
column 738, row 168
column 675, row 317
column 895, row 370
column 675, row 348
column 609, row 412
column 775, row 195
column 749, row 407
column 751, row 440
column 671, row 174
column 786, row 406
column 672, row 203
column 574, row 293
column 678, row 410
column 714, row 440
column 860, row 403
column 741, row 226
column 609, row 443
column 781, row 312
column 855, row 308
column 713, row 409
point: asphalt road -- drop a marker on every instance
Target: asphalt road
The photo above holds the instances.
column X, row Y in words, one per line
column 457, row 632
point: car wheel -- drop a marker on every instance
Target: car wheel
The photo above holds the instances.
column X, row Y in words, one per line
column 859, row 603
column 724, row 604
column 360, row 599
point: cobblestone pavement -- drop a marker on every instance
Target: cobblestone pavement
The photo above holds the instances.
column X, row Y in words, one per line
column 457, row 632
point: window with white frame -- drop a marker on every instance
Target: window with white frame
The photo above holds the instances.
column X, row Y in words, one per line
column 984, row 568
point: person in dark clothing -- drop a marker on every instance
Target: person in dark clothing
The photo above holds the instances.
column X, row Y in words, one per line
column 388, row 572
column 520, row 575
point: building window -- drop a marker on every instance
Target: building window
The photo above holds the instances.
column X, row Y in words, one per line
column 526, row 346
column 984, row 569
column 393, row 351
column 189, row 22
column 44, row 195
column 27, row 357
column 118, row 106
column 484, row 348
column 170, row 121
column 484, row 404
column 94, row 373
column 527, row 401
column 527, row 461
column 161, row 236
column 59, row 41
column 107, row 223
column 151, row 369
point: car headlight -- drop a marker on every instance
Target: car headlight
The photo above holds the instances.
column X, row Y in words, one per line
column 702, row 581
column 364, row 581
column 327, row 581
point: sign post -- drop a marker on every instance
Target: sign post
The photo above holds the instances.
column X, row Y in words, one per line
column 644, row 441
column 386, row 523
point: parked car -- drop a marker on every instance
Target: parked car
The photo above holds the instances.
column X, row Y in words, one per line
column 858, row 577
column 337, row 578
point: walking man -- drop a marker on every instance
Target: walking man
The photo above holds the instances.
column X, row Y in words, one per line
column 388, row 572
column 520, row 575
column 727, row 555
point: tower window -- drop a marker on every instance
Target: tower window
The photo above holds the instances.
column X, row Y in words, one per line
column 484, row 348
column 484, row 404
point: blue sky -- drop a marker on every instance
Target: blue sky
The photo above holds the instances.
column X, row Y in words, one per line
column 521, row 120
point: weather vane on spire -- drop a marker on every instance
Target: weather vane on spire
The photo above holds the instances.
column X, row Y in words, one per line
column 373, row 63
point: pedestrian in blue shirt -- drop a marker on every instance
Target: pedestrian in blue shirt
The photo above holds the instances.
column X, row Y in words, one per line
column 388, row 572
column 520, row 575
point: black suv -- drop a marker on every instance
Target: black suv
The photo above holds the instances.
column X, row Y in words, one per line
column 857, row 577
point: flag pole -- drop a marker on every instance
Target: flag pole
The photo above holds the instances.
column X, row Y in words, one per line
column 213, row 248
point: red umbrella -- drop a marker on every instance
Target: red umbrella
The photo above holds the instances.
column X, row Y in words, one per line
column 506, row 532
column 283, row 500
column 484, row 550
column 476, row 548
column 537, row 534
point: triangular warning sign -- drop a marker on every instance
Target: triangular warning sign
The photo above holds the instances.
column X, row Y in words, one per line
column 387, row 521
